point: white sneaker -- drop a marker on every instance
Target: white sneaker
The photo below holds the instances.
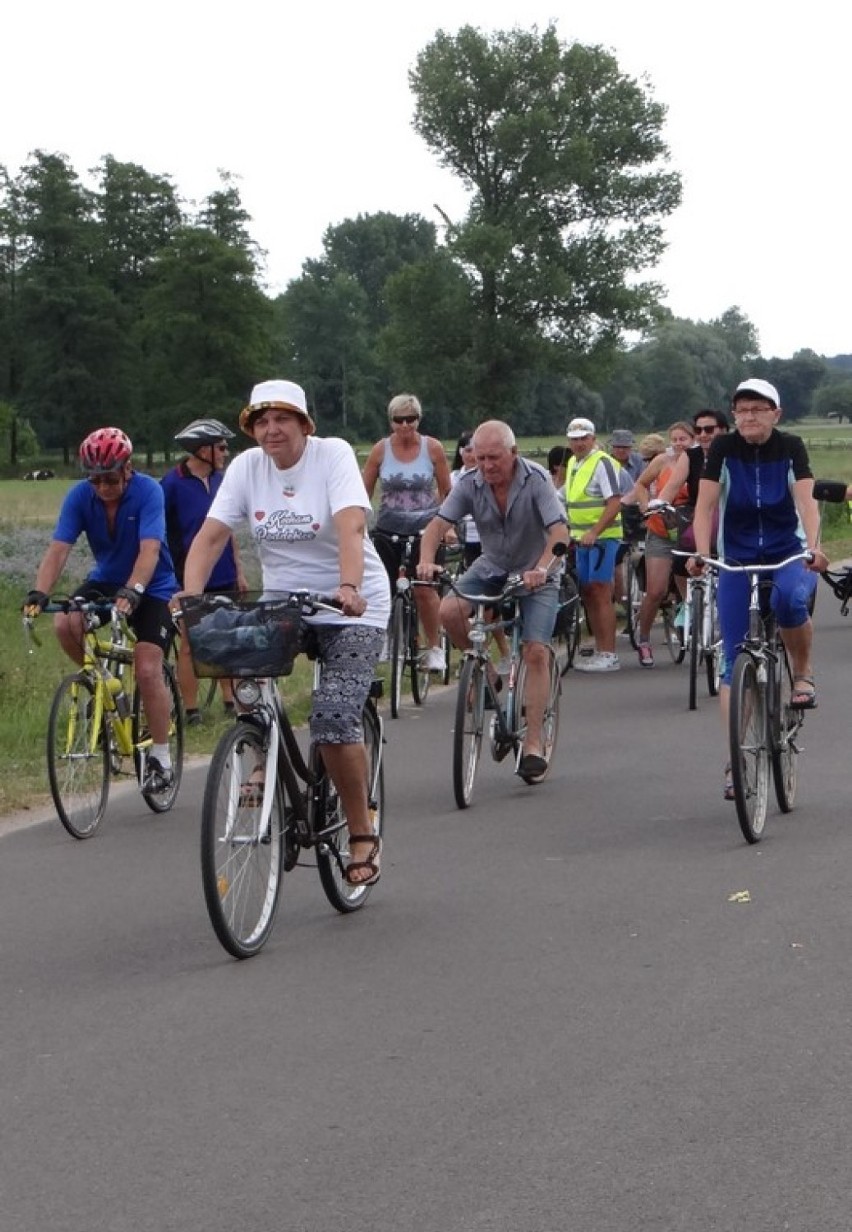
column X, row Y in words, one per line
column 601, row 661
column 503, row 666
column 434, row 660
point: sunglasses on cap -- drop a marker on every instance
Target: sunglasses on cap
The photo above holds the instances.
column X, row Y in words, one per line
column 406, row 419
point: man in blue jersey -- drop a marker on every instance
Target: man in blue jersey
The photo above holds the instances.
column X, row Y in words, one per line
column 760, row 481
column 121, row 513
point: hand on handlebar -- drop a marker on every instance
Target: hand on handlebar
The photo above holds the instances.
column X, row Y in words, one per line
column 428, row 572
column 696, row 565
column 351, row 602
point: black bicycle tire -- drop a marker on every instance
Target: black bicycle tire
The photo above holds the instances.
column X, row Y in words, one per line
column 713, row 647
column 397, row 653
column 672, row 632
column 635, row 595
column 748, row 748
column 417, row 649
column 66, row 813
column 696, row 641
column 217, row 851
column 447, row 647
column 342, row 896
column 785, row 723
column 467, row 733
column 161, row 801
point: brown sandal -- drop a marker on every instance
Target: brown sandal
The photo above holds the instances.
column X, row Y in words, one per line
column 370, row 864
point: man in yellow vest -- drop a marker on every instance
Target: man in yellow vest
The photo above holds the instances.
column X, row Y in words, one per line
column 593, row 498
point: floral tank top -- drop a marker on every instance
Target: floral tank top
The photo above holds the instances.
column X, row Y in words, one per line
column 409, row 497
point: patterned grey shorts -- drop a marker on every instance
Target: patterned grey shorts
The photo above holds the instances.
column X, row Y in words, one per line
column 350, row 654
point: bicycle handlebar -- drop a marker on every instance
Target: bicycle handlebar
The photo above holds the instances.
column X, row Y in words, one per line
column 722, row 565
column 514, row 582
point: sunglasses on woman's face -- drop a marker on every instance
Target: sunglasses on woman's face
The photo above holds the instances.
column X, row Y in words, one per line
column 406, row 419
column 705, row 429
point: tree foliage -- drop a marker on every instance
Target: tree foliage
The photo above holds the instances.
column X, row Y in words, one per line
column 565, row 162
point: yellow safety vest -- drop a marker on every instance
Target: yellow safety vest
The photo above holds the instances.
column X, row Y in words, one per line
column 585, row 511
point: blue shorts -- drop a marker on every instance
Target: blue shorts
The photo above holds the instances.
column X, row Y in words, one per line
column 597, row 563
column 538, row 607
column 791, row 594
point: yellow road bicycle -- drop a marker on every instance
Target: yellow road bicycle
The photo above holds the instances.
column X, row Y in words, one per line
column 97, row 729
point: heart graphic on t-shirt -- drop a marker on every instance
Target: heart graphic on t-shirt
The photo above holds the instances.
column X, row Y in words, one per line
column 259, row 515
column 315, row 525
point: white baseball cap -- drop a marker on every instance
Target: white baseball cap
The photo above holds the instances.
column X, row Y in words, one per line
column 580, row 427
column 762, row 389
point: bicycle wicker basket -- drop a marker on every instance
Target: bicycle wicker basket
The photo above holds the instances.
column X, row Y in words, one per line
column 251, row 634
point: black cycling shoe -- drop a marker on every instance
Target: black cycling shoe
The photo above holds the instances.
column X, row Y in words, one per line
column 157, row 778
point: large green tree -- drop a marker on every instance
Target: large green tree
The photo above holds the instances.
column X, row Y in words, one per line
column 566, row 165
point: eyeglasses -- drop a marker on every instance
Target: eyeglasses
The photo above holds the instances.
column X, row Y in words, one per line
column 706, row 429
column 755, row 410
column 105, row 481
column 406, row 419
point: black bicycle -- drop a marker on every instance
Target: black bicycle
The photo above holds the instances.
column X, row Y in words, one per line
column 839, row 582
column 406, row 645
column 265, row 803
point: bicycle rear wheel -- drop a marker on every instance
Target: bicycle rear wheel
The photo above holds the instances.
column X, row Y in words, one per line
column 397, row 649
column 78, row 757
column 672, row 631
column 749, row 751
column 333, row 853
column 447, row 647
column 159, row 801
column 696, row 641
column 241, row 856
column 467, row 735
column 786, row 724
column 550, row 724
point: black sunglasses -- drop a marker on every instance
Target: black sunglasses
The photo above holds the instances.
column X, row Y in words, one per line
column 406, row 419
column 706, row 429
column 110, row 480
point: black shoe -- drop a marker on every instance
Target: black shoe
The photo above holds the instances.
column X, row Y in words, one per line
column 532, row 766
column 193, row 718
column 157, row 778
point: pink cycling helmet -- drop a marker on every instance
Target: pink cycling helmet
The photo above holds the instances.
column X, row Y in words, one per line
column 105, row 449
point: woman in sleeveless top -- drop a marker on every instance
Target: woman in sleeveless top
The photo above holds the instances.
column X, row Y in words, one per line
column 659, row 541
column 414, row 478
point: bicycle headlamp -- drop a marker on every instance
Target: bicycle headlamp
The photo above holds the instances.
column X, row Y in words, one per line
column 247, row 692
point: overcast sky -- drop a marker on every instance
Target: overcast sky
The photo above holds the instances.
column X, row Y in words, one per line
column 309, row 105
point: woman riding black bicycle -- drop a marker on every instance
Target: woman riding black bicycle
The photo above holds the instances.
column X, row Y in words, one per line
column 306, row 507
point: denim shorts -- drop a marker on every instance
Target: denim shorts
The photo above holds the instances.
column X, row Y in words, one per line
column 538, row 607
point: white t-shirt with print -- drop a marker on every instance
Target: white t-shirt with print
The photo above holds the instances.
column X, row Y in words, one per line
column 290, row 514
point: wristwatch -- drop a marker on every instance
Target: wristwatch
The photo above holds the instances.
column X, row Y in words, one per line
column 138, row 587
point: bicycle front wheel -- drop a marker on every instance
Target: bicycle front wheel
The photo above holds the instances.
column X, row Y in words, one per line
column 159, row 801
column 242, row 855
column 672, row 631
column 333, row 854
column 635, row 594
column 467, row 736
column 786, row 724
column 749, row 751
column 712, row 646
column 78, row 763
column 417, row 648
column 696, row 641
column 397, row 650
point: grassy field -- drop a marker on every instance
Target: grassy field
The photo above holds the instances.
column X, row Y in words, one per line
column 29, row 675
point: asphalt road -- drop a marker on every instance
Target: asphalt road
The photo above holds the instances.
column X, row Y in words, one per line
column 556, row 1013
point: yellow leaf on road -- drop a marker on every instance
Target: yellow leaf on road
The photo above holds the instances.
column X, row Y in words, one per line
column 739, row 896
